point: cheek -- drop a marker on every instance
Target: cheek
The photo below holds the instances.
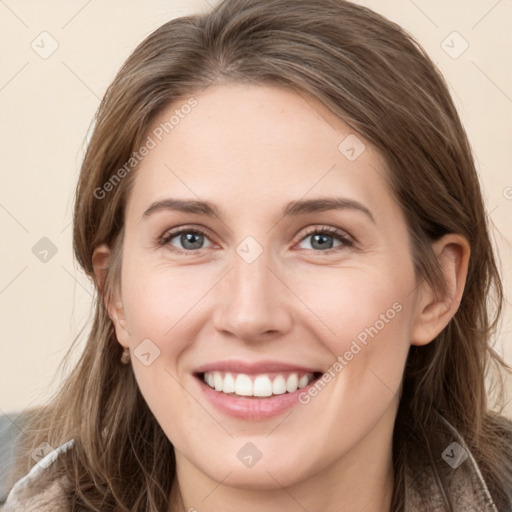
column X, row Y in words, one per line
column 160, row 304
column 157, row 300
column 363, row 307
column 366, row 317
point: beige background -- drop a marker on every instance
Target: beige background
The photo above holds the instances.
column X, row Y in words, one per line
column 47, row 105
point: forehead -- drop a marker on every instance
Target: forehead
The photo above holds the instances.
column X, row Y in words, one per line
column 253, row 146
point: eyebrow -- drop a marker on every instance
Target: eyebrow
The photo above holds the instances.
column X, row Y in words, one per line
column 294, row 208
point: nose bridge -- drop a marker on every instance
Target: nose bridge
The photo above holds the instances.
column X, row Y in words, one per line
column 251, row 277
column 252, row 299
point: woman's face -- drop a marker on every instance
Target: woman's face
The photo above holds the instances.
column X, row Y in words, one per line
column 252, row 301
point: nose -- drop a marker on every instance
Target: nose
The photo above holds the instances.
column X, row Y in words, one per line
column 253, row 301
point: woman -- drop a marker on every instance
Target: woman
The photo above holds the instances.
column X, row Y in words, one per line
column 296, row 286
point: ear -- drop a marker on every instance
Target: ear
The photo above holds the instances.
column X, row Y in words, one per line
column 434, row 311
column 113, row 303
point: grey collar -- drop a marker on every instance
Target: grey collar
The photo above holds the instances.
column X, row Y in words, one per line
column 448, row 478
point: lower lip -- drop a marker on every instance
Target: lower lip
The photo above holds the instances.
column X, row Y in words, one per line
column 252, row 408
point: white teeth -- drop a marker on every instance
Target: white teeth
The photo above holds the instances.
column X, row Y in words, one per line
column 279, row 385
column 243, row 385
column 262, row 385
column 229, row 383
column 219, row 381
column 292, row 383
column 303, row 381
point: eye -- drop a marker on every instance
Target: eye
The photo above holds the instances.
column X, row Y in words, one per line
column 321, row 239
column 191, row 240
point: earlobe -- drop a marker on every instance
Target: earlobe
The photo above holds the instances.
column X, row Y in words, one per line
column 435, row 308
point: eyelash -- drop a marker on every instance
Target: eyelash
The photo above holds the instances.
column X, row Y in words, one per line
column 335, row 232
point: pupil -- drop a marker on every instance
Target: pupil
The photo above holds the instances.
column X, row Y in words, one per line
column 189, row 237
column 320, row 236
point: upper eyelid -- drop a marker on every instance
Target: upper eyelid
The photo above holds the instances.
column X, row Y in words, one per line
column 173, row 232
column 328, row 229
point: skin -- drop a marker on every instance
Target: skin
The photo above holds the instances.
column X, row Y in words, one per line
column 251, row 150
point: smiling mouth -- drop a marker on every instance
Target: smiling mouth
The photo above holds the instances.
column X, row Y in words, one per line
column 257, row 386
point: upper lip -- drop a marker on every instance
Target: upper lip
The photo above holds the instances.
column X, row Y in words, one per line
column 253, row 367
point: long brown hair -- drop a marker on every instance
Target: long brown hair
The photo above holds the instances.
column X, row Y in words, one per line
column 375, row 77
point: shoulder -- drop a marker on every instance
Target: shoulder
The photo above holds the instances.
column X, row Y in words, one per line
column 50, row 499
column 442, row 469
